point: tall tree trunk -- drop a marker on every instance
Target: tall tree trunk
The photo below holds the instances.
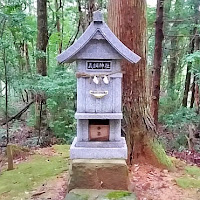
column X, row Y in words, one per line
column 158, row 53
column 41, row 62
column 130, row 27
column 172, row 68
column 42, row 37
column 82, row 17
column 196, row 48
column 58, row 25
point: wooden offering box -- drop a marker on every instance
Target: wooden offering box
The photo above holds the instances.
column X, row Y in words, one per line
column 99, row 130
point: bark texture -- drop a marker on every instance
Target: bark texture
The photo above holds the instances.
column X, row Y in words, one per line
column 42, row 37
column 172, row 68
column 158, row 53
column 58, row 24
column 127, row 19
column 41, row 61
column 91, row 9
column 195, row 86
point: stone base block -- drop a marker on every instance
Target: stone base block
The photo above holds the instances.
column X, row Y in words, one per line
column 99, row 150
column 109, row 144
column 98, row 174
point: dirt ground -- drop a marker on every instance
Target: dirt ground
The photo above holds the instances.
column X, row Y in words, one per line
column 146, row 181
column 150, row 183
column 54, row 189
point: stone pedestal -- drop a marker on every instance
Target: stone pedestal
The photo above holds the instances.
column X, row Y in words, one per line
column 99, row 150
column 98, row 174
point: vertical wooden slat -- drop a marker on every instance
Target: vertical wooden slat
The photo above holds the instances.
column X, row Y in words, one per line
column 10, row 157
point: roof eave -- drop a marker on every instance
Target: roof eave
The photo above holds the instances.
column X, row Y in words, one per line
column 125, row 52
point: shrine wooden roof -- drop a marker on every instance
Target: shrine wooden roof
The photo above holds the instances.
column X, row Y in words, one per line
column 98, row 25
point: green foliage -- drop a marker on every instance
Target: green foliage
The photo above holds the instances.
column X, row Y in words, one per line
column 177, row 121
column 194, row 58
column 168, row 104
column 18, row 27
column 180, row 117
column 151, row 17
column 60, row 90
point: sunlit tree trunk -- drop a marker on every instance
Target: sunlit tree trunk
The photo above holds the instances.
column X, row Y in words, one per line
column 127, row 19
column 158, row 53
column 188, row 74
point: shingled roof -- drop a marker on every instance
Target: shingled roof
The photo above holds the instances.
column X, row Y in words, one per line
column 98, row 24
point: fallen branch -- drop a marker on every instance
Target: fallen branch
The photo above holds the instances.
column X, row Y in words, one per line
column 38, row 194
column 19, row 114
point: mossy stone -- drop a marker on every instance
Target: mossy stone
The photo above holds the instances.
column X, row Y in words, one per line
column 73, row 196
column 118, row 195
column 87, row 194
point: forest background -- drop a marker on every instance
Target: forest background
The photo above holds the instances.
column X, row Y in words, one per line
column 41, row 103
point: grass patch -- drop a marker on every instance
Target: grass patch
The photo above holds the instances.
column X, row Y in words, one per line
column 118, row 195
column 63, row 150
column 193, row 171
column 188, row 182
column 30, row 174
column 192, row 180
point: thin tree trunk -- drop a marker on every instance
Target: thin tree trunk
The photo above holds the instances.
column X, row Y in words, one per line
column 193, row 93
column 196, row 48
column 82, row 17
column 6, row 91
column 187, row 85
column 158, row 53
column 58, row 25
column 41, row 61
column 130, row 27
column 172, row 68
column 28, row 67
column 91, row 9
column 42, row 37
